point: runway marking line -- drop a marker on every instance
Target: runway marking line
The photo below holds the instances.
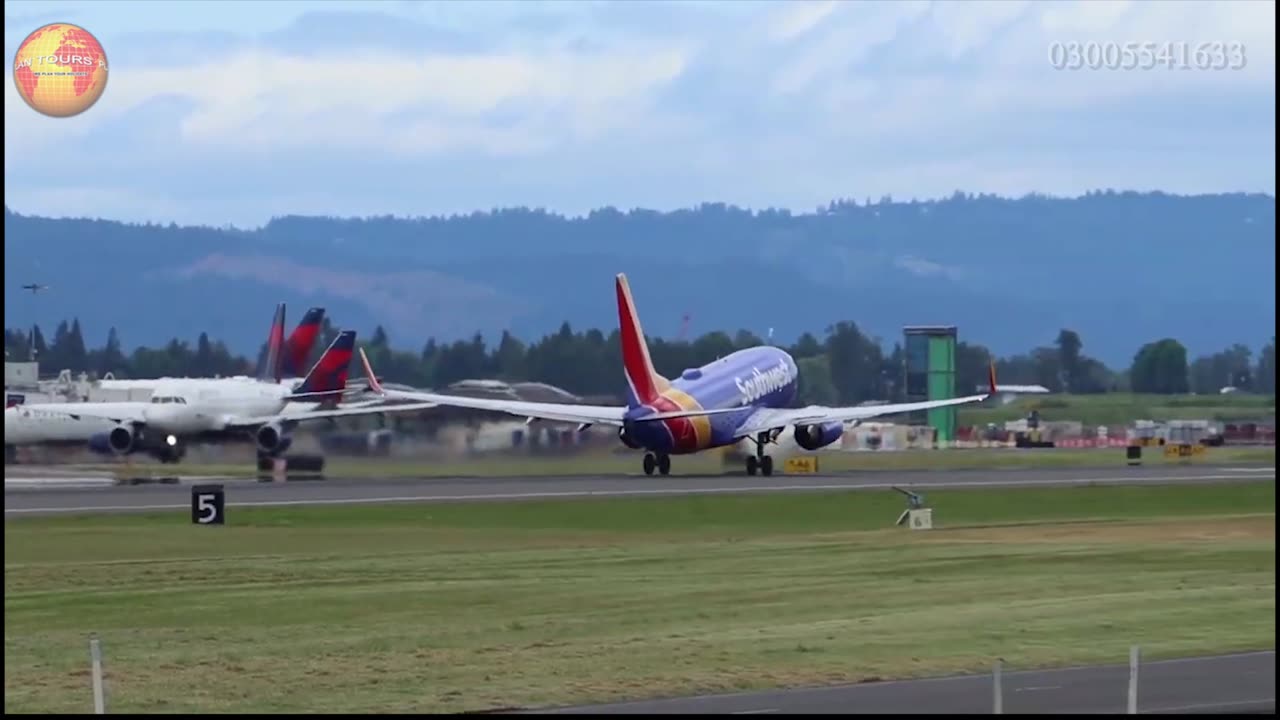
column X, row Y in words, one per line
column 1034, row 688
column 945, row 678
column 642, row 492
column 1206, row 706
column 1129, row 479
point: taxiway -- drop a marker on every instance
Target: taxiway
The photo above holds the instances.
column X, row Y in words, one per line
column 1227, row 683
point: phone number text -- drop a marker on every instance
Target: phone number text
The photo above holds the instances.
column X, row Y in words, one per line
column 1207, row 55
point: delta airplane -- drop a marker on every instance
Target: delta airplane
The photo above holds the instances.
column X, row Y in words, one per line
column 181, row 409
column 285, row 360
column 744, row 395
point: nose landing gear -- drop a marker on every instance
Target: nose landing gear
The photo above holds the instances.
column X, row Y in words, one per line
column 170, row 450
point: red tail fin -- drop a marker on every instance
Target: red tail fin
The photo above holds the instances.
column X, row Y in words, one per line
column 329, row 374
column 297, row 348
column 635, row 352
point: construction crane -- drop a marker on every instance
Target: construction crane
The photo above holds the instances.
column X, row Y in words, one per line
column 684, row 327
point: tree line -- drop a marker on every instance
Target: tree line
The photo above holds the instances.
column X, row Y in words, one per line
column 962, row 258
column 845, row 366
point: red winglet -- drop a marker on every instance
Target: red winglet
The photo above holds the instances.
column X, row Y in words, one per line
column 991, row 377
column 374, row 385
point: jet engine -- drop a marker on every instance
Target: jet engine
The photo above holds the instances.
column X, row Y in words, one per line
column 120, row 440
column 627, row 440
column 272, row 439
column 812, row 437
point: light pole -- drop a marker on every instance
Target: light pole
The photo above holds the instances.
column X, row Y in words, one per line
column 35, row 289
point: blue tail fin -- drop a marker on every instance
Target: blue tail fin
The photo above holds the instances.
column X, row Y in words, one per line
column 328, row 377
column 269, row 369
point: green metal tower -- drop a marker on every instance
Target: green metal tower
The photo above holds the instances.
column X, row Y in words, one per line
column 931, row 374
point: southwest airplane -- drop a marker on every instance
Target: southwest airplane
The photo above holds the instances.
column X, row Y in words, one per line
column 744, row 395
column 193, row 408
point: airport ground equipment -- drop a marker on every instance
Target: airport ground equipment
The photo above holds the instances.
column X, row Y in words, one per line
column 802, row 465
column 917, row 516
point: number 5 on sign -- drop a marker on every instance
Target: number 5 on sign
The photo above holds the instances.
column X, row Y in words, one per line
column 207, row 505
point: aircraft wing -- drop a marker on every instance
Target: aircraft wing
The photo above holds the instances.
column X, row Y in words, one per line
column 124, row 418
column 593, row 414
column 772, row 418
column 240, row 423
column 561, row 412
column 766, row 419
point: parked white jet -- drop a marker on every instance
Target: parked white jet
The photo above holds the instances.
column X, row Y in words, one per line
column 181, row 410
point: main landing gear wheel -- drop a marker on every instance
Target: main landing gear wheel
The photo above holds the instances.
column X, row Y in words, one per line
column 761, row 461
column 662, row 463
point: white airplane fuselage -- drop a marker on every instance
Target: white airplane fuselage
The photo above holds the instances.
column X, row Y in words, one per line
column 181, row 407
column 35, row 424
column 176, row 407
column 189, row 407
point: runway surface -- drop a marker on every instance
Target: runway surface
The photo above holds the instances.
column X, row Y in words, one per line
column 1228, row 683
column 78, row 495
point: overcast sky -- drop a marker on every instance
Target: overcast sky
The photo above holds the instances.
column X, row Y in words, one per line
column 227, row 112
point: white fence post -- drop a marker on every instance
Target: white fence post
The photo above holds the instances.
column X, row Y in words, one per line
column 95, row 656
column 1133, row 679
column 997, row 699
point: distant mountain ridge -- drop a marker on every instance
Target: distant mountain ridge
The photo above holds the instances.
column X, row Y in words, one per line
column 1121, row 268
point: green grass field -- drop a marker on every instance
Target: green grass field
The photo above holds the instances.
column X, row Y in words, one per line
column 1118, row 409
column 452, row 607
column 712, row 463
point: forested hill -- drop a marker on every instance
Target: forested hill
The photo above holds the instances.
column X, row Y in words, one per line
column 1119, row 267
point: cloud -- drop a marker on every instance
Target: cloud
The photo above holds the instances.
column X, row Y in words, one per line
column 1077, row 16
column 927, row 268
column 848, row 38
column 971, row 25
column 799, row 18
column 259, row 100
column 449, row 107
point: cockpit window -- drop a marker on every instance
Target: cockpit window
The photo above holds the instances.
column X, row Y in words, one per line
column 168, row 400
